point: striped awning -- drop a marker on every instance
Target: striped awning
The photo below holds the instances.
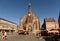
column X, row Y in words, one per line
column 53, row 31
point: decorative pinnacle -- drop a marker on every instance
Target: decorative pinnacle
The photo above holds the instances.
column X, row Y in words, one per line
column 29, row 8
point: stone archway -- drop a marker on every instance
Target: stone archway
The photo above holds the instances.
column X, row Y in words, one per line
column 30, row 28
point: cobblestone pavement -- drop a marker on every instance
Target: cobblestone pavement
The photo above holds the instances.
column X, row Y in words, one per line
column 25, row 38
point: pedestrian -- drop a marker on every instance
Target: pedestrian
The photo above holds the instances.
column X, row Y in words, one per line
column 3, row 34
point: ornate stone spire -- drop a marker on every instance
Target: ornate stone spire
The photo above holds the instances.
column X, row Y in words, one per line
column 29, row 8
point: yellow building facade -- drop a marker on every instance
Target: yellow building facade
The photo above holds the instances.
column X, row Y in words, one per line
column 7, row 26
column 50, row 23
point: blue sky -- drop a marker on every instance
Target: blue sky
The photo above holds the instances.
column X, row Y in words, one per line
column 13, row 10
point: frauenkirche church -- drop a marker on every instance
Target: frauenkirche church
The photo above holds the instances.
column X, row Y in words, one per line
column 29, row 22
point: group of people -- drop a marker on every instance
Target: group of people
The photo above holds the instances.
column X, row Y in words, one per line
column 4, row 35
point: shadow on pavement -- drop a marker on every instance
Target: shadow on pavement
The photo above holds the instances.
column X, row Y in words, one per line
column 54, row 38
column 48, row 39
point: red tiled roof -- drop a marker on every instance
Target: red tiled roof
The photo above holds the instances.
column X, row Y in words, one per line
column 49, row 20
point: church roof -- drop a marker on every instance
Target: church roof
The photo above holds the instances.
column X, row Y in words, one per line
column 49, row 20
column 7, row 20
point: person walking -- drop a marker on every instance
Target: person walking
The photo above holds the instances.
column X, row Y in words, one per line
column 3, row 34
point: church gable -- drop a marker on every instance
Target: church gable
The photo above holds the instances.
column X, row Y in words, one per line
column 29, row 16
column 29, row 22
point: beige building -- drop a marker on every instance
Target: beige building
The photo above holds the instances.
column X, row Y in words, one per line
column 8, row 26
column 50, row 23
column 29, row 22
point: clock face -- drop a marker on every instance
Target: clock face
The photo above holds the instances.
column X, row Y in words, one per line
column 29, row 14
